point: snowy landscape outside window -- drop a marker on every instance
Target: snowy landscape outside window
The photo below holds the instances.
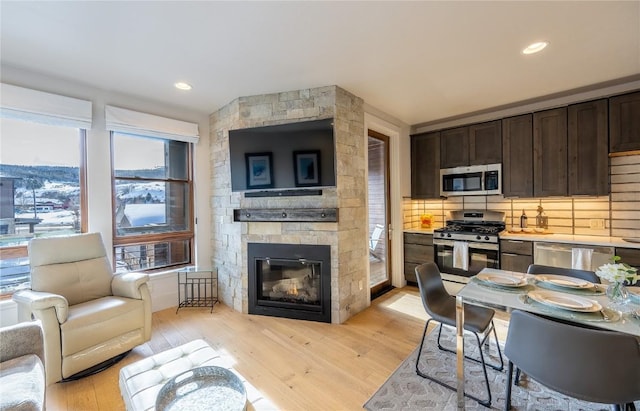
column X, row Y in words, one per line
column 152, row 197
column 41, row 191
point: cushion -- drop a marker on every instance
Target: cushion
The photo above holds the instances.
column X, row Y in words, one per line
column 22, row 383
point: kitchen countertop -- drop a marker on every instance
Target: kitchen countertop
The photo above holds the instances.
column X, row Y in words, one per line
column 553, row 238
column 571, row 239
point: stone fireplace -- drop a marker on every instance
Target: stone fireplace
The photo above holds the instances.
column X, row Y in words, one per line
column 346, row 236
column 290, row 280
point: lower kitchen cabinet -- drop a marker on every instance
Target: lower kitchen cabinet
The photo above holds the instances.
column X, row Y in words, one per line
column 418, row 249
column 630, row 256
column 516, row 255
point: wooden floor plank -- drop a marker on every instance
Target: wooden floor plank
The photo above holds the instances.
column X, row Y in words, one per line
column 297, row 365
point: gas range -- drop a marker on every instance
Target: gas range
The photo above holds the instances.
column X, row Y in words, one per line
column 472, row 226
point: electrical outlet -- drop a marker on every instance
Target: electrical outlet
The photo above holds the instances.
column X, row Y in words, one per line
column 596, row 223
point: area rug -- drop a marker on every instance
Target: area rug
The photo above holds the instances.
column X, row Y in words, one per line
column 405, row 390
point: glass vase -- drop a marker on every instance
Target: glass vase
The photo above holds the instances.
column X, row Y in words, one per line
column 617, row 293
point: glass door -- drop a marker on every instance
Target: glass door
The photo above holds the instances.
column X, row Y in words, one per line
column 379, row 213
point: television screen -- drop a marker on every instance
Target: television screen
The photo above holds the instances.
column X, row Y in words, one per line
column 285, row 156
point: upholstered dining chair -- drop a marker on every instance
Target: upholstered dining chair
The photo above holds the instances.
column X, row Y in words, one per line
column 90, row 317
column 584, row 363
column 539, row 269
column 441, row 307
column 569, row 272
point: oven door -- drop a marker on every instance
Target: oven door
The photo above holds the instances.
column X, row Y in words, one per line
column 481, row 255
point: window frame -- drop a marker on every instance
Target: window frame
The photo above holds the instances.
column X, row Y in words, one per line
column 22, row 251
column 146, row 239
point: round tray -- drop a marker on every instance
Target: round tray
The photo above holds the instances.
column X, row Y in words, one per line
column 203, row 388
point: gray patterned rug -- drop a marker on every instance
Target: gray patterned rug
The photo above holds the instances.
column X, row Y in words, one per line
column 404, row 390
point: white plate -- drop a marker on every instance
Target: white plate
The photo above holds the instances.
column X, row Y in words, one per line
column 503, row 280
column 565, row 301
column 564, row 281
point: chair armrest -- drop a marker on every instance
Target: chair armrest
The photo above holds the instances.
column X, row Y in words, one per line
column 39, row 301
column 21, row 339
column 128, row 285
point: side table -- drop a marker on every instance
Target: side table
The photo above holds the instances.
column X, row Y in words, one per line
column 197, row 287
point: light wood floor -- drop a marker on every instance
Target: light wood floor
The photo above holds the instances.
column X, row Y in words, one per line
column 297, row 365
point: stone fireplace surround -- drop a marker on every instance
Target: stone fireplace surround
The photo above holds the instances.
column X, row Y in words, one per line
column 346, row 237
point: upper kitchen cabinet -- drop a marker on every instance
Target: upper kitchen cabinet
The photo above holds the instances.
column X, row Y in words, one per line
column 550, row 152
column 517, row 158
column 485, row 140
column 587, row 139
column 454, row 147
column 471, row 145
column 624, row 122
column 425, row 165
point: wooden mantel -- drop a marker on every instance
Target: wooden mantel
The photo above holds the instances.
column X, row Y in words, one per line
column 329, row 215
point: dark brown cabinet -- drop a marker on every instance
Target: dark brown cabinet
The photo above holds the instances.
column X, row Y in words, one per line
column 550, row 153
column 587, row 148
column 471, row 145
column 630, row 256
column 624, row 122
column 418, row 249
column 517, row 157
column 485, row 142
column 425, row 165
column 516, row 255
column 454, row 147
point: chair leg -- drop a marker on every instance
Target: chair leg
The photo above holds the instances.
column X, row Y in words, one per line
column 507, row 401
column 486, row 338
column 484, row 370
column 517, row 379
column 486, row 403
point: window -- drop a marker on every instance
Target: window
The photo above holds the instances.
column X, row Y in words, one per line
column 41, row 191
column 152, row 194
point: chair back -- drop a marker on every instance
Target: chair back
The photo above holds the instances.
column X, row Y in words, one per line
column 584, row 363
column 437, row 302
column 375, row 236
column 75, row 267
column 569, row 272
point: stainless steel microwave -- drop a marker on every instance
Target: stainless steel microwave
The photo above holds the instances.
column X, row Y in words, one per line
column 472, row 180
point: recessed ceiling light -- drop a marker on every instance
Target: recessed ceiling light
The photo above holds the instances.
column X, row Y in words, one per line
column 183, row 86
column 535, row 47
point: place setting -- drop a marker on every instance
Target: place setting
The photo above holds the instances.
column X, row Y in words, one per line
column 568, row 284
column 505, row 281
column 570, row 306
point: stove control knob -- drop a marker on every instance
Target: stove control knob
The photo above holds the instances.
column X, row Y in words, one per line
column 449, row 235
column 486, row 238
column 478, row 237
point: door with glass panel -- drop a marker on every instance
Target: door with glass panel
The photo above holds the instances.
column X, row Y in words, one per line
column 379, row 213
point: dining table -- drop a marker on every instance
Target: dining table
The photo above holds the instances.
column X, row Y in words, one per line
column 553, row 296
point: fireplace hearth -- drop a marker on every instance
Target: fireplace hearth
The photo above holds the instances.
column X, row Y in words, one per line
column 290, row 280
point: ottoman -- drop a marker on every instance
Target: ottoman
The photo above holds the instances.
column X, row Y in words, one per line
column 141, row 381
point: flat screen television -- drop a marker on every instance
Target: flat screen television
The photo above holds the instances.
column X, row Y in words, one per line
column 293, row 156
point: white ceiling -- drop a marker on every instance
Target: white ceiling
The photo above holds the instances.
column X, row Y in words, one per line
column 416, row 61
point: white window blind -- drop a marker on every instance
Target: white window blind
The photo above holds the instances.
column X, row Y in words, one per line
column 40, row 107
column 143, row 124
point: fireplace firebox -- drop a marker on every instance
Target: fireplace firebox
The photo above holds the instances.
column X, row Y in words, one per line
column 290, row 280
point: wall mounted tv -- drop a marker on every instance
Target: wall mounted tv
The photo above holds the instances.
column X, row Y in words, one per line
column 293, row 156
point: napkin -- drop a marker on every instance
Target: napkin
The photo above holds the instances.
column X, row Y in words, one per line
column 461, row 255
column 581, row 258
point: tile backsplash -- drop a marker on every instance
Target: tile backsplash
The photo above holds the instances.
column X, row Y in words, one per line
column 616, row 215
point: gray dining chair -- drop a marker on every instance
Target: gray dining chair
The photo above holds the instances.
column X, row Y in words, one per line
column 539, row 269
column 441, row 307
column 569, row 272
column 588, row 364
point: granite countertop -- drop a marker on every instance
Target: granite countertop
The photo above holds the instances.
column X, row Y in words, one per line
column 571, row 239
column 552, row 238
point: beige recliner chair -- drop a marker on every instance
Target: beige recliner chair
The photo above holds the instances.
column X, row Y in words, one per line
column 89, row 315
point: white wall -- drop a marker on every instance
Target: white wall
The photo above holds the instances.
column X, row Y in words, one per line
column 99, row 161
